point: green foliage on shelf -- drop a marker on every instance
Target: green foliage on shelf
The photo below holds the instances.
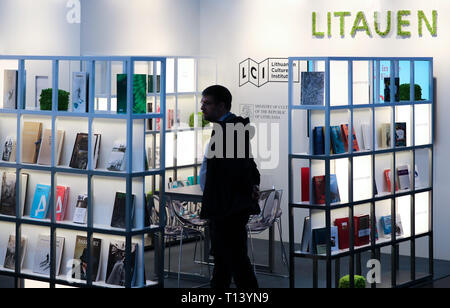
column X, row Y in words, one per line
column 388, row 27
column 360, row 17
column 46, row 100
column 201, row 120
column 401, row 23
column 360, row 282
column 404, row 92
column 421, row 16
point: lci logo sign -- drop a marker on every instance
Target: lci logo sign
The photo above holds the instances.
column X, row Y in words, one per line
column 269, row 70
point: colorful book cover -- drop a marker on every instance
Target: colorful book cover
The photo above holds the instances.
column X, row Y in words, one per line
column 80, row 215
column 305, row 184
column 400, row 134
column 119, row 213
column 313, row 85
column 62, row 197
column 39, row 209
column 320, row 240
column 386, row 225
column 344, row 128
column 79, row 159
column 80, row 88
column 336, row 140
column 319, row 189
column 42, row 255
column 343, row 232
column 319, row 141
column 81, row 258
column 362, row 230
column 116, row 161
column 139, row 93
column 115, row 272
column 387, row 177
column 334, row 189
column 403, row 177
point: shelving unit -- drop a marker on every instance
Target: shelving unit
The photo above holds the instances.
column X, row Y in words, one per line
column 354, row 94
column 99, row 184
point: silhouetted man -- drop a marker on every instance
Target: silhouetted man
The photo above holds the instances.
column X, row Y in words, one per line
column 229, row 179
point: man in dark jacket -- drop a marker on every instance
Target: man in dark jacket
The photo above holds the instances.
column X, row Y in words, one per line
column 230, row 181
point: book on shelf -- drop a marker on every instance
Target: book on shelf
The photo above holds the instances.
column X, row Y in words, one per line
column 10, row 83
column 8, row 192
column 45, row 152
column 79, row 159
column 400, row 134
column 319, row 189
column 312, row 88
column 386, row 226
column 305, row 184
column 80, row 90
column 10, row 258
column 387, row 180
column 139, row 93
column 344, row 128
column 80, row 215
column 42, row 255
column 318, row 141
column 366, row 136
column 149, row 121
column 39, row 208
column 119, row 213
column 387, row 89
column 362, row 230
column 62, row 198
column 336, row 140
column 385, row 135
column 9, row 149
column 320, row 240
column 31, row 141
column 81, row 258
column 343, row 227
column 306, row 235
column 115, row 272
column 404, row 182
column 151, row 85
column 116, row 161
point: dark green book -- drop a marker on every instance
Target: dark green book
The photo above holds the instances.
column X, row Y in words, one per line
column 151, row 84
column 139, row 93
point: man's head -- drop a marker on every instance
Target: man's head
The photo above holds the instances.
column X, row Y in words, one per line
column 216, row 102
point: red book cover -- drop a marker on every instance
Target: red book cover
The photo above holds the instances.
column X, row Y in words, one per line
column 62, row 197
column 344, row 129
column 362, row 230
column 387, row 177
column 319, row 189
column 343, row 232
column 305, row 184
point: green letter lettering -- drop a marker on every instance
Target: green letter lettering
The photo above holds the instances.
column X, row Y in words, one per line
column 422, row 18
column 314, row 32
column 342, row 15
column 401, row 23
column 377, row 25
column 356, row 27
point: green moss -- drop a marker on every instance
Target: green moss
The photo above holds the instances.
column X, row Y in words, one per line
column 421, row 16
column 403, row 23
column 360, row 17
column 360, row 282
column 404, row 92
column 342, row 16
column 314, row 22
column 46, row 100
column 329, row 24
column 388, row 27
column 201, row 120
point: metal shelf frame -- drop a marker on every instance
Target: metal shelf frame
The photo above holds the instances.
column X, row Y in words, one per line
column 374, row 247
column 88, row 63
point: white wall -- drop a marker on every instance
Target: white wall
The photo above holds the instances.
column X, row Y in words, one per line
column 235, row 30
column 140, row 27
column 37, row 28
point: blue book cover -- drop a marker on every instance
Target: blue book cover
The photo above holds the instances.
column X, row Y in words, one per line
column 318, row 142
column 334, row 189
column 39, row 208
column 386, row 224
column 313, row 85
column 336, row 140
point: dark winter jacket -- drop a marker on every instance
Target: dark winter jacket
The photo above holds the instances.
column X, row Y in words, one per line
column 230, row 181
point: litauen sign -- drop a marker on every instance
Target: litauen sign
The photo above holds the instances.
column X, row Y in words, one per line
column 380, row 24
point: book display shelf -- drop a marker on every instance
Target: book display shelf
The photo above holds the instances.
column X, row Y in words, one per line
column 361, row 169
column 75, row 172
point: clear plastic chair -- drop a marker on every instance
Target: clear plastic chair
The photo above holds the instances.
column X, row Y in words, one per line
column 270, row 204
